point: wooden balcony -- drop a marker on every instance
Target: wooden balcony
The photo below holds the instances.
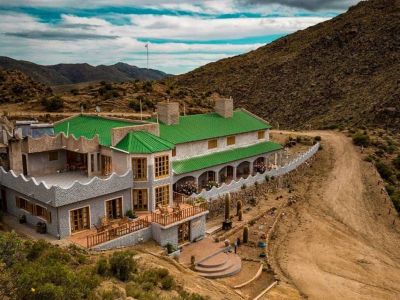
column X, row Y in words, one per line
column 178, row 214
column 116, row 232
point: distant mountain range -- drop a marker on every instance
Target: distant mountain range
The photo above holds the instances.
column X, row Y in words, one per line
column 339, row 73
column 77, row 73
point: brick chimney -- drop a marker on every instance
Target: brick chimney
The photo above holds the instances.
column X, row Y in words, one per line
column 168, row 112
column 224, row 107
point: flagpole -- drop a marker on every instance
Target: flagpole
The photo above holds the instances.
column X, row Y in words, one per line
column 147, row 52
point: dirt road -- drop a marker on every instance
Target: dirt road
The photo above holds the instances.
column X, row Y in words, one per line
column 340, row 242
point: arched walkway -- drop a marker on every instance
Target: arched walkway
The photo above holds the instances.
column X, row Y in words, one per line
column 226, row 174
column 206, row 179
column 186, row 185
column 259, row 165
column 243, row 170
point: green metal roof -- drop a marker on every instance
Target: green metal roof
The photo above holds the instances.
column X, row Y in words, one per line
column 88, row 126
column 211, row 125
column 143, row 142
column 222, row 157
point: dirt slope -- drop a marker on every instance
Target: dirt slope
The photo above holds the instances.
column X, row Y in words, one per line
column 342, row 72
column 340, row 242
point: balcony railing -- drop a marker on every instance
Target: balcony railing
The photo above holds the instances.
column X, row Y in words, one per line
column 113, row 233
column 178, row 214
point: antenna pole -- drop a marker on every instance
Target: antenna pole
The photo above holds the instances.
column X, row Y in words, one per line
column 141, row 113
column 147, row 54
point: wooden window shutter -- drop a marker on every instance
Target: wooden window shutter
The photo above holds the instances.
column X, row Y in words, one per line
column 48, row 216
column 31, row 208
column 17, row 202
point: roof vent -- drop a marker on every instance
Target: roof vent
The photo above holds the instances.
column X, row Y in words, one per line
column 224, row 107
column 168, row 112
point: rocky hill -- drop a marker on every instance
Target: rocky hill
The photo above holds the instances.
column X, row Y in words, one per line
column 16, row 87
column 343, row 72
column 77, row 73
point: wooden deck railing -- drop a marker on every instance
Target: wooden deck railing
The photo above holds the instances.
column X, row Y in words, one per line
column 172, row 217
column 113, row 233
column 182, row 198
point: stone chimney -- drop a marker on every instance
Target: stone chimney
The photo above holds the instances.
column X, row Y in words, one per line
column 224, row 107
column 168, row 112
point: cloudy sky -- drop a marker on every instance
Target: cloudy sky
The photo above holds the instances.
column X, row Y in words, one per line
column 182, row 35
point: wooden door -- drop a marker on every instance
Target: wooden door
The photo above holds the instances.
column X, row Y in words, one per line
column 106, row 165
column 140, row 199
column 114, row 208
column 80, row 219
column 183, row 232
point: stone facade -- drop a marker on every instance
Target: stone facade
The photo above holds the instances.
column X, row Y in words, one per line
column 189, row 150
column 168, row 112
column 224, row 107
column 142, row 235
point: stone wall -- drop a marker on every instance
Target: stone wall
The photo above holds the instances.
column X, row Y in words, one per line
column 131, row 239
column 57, row 196
column 97, row 209
column 197, row 228
column 234, row 186
column 189, row 150
column 118, row 133
column 39, row 164
column 164, row 236
column 12, row 209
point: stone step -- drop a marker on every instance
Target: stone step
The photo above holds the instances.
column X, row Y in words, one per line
column 230, row 268
column 218, row 269
column 214, row 261
column 234, row 263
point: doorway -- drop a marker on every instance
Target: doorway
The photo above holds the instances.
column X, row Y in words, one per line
column 80, row 219
column 184, row 232
column 114, row 208
column 3, row 202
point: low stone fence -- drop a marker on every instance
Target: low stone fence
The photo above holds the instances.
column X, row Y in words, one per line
column 235, row 186
column 58, row 196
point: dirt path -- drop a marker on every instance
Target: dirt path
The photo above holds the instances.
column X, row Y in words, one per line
column 340, row 242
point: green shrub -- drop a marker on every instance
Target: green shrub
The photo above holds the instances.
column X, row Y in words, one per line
column 361, row 139
column 383, row 170
column 34, row 250
column 135, row 105
column 167, row 282
column 53, row 104
column 396, row 162
column 102, row 266
column 390, row 189
column 317, row 138
column 122, row 264
column 11, row 248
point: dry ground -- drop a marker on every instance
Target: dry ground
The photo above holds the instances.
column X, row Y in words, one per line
column 340, row 243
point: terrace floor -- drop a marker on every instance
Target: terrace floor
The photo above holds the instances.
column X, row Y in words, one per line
column 65, row 179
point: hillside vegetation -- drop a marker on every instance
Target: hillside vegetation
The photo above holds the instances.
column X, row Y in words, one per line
column 77, row 73
column 342, row 72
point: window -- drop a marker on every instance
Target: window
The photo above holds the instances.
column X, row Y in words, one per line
column 106, row 165
column 231, row 140
column 114, row 208
column 161, row 166
column 162, row 195
column 53, row 155
column 24, row 204
column 79, row 219
column 174, row 152
column 91, row 162
column 140, row 199
column 212, row 144
column 43, row 213
column 139, row 167
column 261, row 134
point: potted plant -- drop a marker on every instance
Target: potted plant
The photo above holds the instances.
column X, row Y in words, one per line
column 172, row 250
column 131, row 214
column 22, row 219
column 41, row 227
